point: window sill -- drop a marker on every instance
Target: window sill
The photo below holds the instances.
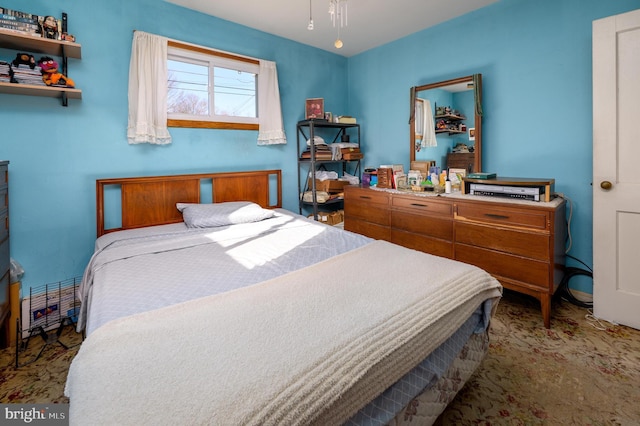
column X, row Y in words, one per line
column 211, row 125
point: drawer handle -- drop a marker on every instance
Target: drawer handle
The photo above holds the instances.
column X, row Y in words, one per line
column 496, row 216
column 419, row 205
column 365, row 197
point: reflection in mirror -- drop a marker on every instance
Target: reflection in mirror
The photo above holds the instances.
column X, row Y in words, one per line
column 445, row 124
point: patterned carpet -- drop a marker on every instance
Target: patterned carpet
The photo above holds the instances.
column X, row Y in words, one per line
column 572, row 374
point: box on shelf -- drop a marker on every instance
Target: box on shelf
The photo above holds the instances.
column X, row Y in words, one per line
column 331, row 186
column 330, row 218
column 349, row 150
column 353, row 156
column 351, row 153
column 346, row 119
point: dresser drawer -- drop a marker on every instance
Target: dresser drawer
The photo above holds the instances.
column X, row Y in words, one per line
column 4, row 257
column 434, row 226
column 367, row 205
column 422, row 205
column 4, row 199
column 420, row 242
column 490, row 214
column 369, row 229
column 367, row 195
column 529, row 271
column 528, row 244
column 4, row 295
column 4, row 175
column 4, row 226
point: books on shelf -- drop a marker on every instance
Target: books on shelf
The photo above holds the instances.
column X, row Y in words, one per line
column 17, row 13
column 5, row 72
column 19, row 21
column 326, row 153
column 23, row 74
column 323, row 152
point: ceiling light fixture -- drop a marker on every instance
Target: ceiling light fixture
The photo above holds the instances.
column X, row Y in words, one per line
column 310, row 26
column 338, row 43
column 338, row 13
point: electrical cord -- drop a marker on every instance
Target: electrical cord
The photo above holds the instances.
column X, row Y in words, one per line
column 569, row 239
column 580, row 261
column 596, row 322
column 571, row 271
column 564, row 289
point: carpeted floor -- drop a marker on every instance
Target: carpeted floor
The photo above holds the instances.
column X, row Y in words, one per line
column 572, row 374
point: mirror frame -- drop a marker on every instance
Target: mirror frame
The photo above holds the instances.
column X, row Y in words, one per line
column 477, row 164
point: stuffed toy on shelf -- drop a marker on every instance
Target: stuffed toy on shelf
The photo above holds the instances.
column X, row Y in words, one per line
column 50, row 74
column 24, row 59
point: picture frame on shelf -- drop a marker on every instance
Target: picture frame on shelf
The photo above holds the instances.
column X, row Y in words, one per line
column 328, row 116
column 400, row 181
column 457, row 172
column 455, row 177
column 314, row 109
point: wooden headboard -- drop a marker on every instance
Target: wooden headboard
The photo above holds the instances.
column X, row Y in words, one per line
column 151, row 200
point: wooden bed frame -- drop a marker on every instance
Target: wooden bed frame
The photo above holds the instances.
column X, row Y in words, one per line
column 151, row 200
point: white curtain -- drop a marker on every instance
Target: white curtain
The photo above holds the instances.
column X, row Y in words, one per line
column 428, row 126
column 148, row 90
column 271, row 130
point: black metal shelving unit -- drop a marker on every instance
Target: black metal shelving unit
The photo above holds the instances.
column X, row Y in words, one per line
column 306, row 130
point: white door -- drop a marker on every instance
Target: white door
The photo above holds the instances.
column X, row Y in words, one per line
column 616, row 168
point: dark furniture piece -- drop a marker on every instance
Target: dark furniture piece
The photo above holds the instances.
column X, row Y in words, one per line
column 5, row 261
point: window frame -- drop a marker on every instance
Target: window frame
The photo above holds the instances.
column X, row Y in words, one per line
column 222, row 59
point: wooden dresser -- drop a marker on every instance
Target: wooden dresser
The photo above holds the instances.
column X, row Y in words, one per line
column 4, row 253
column 521, row 243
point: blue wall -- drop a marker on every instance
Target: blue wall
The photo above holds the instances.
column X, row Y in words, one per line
column 535, row 58
column 56, row 153
column 535, row 61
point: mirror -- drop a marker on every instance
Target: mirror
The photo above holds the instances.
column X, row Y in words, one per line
column 445, row 124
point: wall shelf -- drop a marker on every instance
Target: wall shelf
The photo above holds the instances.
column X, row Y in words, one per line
column 451, row 131
column 14, row 40
column 46, row 91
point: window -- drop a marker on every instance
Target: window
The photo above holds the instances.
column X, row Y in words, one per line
column 211, row 89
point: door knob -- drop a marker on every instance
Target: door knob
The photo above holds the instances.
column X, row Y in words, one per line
column 605, row 184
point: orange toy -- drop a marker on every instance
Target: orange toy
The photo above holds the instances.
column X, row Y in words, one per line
column 50, row 74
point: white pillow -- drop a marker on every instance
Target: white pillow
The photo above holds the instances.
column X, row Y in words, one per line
column 221, row 214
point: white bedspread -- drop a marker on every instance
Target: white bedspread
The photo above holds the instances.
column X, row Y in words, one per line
column 145, row 269
column 313, row 345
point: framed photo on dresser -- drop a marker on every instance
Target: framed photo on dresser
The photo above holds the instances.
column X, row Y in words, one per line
column 461, row 172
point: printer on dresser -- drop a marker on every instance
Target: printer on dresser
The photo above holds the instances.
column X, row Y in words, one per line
column 4, row 254
column 519, row 242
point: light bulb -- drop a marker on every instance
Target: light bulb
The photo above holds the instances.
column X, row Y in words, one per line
column 310, row 26
column 338, row 43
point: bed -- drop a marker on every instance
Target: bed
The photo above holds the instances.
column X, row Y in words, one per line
column 205, row 302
